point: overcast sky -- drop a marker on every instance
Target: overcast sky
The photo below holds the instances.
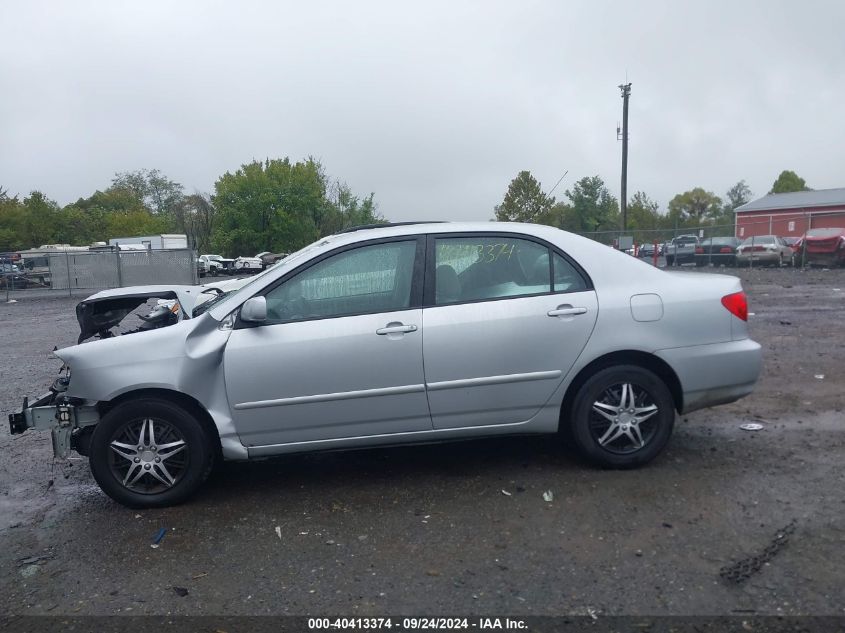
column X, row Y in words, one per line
column 434, row 106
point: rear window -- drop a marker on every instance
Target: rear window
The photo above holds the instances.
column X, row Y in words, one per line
column 760, row 239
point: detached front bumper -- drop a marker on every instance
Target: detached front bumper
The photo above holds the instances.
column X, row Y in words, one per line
column 63, row 417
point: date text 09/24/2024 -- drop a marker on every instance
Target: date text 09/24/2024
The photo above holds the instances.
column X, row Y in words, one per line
column 412, row 624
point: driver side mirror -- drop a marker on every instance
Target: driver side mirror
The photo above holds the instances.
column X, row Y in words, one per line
column 254, row 310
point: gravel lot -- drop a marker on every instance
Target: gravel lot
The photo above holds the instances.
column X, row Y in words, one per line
column 428, row 529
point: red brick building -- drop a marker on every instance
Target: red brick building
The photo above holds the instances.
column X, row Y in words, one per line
column 791, row 214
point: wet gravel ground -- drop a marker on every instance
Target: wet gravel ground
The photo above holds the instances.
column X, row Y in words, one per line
column 428, row 529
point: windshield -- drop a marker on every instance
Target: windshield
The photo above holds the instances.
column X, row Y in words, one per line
column 259, row 278
column 214, row 257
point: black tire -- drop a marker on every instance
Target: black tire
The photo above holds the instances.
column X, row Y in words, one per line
column 586, row 426
column 670, row 260
column 194, row 464
column 213, row 271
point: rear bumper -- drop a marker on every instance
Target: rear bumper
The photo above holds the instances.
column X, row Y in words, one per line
column 765, row 257
column 715, row 374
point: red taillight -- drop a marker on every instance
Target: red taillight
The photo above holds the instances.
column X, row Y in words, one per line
column 725, row 249
column 737, row 304
column 699, row 250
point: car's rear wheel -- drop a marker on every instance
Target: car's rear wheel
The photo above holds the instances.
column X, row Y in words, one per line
column 150, row 453
column 622, row 416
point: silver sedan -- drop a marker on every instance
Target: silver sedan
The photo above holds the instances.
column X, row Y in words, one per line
column 393, row 335
column 764, row 249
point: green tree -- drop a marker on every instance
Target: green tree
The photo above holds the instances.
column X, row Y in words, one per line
column 40, row 225
column 643, row 214
column 524, row 201
column 12, row 223
column 198, row 215
column 694, row 207
column 280, row 206
column 593, row 208
column 152, row 188
column 735, row 197
column 789, row 181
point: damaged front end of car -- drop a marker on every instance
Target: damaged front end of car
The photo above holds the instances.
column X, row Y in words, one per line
column 71, row 420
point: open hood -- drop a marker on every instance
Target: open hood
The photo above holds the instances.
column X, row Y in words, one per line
column 102, row 311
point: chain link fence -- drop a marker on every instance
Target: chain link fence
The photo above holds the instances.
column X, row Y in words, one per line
column 95, row 269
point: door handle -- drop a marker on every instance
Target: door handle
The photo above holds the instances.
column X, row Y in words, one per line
column 396, row 329
column 566, row 311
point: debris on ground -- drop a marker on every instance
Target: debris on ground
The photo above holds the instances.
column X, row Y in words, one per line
column 278, row 530
column 819, row 376
column 548, row 496
column 180, row 591
column 751, row 426
column 157, row 539
column 786, row 322
column 742, row 570
column 32, row 560
column 506, row 493
column 200, row 575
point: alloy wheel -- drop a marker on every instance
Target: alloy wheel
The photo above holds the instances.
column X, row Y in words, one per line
column 622, row 419
column 148, row 456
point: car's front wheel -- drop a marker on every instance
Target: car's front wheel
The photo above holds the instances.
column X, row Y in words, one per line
column 622, row 416
column 150, row 453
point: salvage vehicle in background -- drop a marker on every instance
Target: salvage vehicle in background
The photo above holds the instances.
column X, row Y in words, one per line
column 681, row 250
column 719, row 251
column 466, row 331
column 822, row 247
column 247, row 265
column 764, row 249
column 218, row 265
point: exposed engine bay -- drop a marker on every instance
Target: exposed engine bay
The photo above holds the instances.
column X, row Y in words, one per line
column 137, row 309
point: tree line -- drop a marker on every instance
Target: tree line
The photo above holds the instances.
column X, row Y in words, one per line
column 590, row 208
column 278, row 205
column 272, row 205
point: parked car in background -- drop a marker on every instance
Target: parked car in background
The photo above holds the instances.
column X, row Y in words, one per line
column 432, row 310
column 719, row 251
column 821, row 247
column 10, row 276
column 681, row 250
column 247, row 265
column 202, row 267
column 646, row 249
column 218, row 265
column 764, row 249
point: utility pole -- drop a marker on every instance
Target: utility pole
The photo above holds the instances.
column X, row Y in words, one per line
column 626, row 94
